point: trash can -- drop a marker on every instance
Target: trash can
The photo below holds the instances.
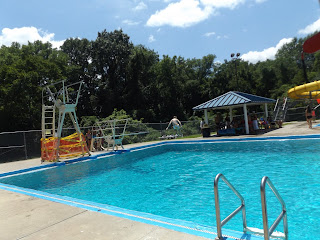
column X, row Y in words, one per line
column 206, row 132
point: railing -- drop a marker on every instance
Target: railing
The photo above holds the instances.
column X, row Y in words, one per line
column 241, row 207
column 276, row 105
column 283, row 215
column 284, row 103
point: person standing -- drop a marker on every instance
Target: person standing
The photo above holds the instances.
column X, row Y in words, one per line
column 218, row 120
column 201, row 124
column 89, row 138
column 309, row 116
column 255, row 124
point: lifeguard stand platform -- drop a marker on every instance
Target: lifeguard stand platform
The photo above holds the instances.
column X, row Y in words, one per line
column 63, row 98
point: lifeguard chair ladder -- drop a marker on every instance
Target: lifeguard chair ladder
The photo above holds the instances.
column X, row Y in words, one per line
column 63, row 102
column 48, row 121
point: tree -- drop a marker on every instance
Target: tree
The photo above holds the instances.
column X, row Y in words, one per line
column 140, row 88
column 79, row 52
column 21, row 83
column 110, row 57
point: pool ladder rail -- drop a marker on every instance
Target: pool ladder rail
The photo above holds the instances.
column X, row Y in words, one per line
column 266, row 232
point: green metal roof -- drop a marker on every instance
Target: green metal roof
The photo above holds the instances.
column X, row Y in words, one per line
column 233, row 99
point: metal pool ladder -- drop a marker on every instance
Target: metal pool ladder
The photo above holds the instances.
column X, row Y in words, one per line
column 217, row 203
column 266, row 231
column 283, row 215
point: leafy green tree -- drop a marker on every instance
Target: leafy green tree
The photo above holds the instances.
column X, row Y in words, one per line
column 168, row 89
column 79, row 52
column 110, row 58
column 119, row 75
column 265, row 79
column 21, row 83
column 140, row 88
column 198, row 82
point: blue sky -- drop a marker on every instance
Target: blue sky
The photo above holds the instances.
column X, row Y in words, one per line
column 187, row 28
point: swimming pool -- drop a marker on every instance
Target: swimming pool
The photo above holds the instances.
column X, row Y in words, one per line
column 176, row 181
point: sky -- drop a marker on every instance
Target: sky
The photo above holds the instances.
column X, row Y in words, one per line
column 188, row 28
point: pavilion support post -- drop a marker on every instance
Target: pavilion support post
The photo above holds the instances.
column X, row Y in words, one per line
column 206, row 116
column 245, row 113
column 230, row 114
column 266, row 109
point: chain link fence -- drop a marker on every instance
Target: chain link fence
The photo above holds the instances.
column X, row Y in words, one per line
column 23, row 145
column 298, row 114
column 19, row 145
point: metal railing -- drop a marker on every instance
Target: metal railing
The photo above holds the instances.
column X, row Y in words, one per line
column 283, row 215
column 241, row 207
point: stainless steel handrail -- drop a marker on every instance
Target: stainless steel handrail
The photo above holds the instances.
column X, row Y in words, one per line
column 283, row 215
column 284, row 103
column 241, row 207
column 276, row 105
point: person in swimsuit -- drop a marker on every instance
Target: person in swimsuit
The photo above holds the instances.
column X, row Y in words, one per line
column 176, row 124
column 89, row 138
column 309, row 116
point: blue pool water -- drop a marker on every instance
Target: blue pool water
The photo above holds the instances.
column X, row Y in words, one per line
column 176, row 181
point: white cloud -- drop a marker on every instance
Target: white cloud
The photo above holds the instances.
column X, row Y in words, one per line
column 269, row 53
column 310, row 28
column 222, row 37
column 185, row 13
column 209, row 34
column 140, row 6
column 27, row 34
column 231, row 4
column 130, row 23
column 180, row 14
column 151, row 39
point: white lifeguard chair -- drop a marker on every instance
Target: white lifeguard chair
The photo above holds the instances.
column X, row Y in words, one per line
column 65, row 100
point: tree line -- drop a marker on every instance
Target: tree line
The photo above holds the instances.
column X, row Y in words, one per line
column 120, row 75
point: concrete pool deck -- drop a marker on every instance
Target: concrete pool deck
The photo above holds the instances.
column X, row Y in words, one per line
column 26, row 217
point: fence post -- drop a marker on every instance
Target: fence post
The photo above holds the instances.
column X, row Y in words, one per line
column 25, row 145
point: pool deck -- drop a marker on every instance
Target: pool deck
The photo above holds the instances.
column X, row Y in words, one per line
column 26, row 217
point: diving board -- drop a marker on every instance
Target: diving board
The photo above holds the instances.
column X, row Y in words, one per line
column 107, row 133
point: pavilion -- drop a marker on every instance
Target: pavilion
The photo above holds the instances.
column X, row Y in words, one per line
column 234, row 99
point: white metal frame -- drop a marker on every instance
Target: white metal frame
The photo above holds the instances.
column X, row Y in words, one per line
column 62, row 101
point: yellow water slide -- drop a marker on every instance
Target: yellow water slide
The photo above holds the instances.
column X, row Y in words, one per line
column 305, row 91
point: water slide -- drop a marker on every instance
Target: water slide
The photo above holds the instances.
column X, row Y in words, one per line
column 305, row 91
